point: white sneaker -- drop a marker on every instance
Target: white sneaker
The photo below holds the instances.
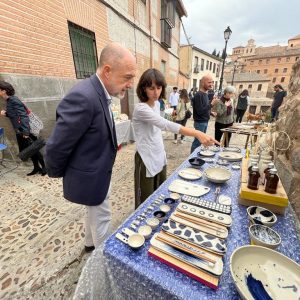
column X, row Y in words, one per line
column 175, row 142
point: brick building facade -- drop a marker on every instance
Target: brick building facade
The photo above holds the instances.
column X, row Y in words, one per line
column 47, row 46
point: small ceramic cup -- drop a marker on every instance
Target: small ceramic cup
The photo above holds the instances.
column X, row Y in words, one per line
column 175, row 196
column 261, row 215
column 136, row 241
column 152, row 222
column 159, row 214
column 145, row 231
column 165, row 208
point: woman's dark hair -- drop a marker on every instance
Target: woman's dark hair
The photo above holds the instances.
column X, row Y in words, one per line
column 244, row 93
column 149, row 77
column 184, row 95
column 5, row 86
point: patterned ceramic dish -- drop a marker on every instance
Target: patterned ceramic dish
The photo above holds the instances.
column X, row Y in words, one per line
column 260, row 215
column 159, row 214
column 196, row 162
column 190, row 174
column 268, row 272
column 217, row 174
column 264, row 236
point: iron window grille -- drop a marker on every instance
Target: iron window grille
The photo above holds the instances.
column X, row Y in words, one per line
column 84, row 50
column 167, row 21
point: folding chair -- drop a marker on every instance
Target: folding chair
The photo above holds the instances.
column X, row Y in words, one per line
column 3, row 147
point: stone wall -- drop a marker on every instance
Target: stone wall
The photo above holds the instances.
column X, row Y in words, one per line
column 288, row 162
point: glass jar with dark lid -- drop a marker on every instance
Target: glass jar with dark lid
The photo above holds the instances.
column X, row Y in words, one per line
column 253, row 178
column 272, row 181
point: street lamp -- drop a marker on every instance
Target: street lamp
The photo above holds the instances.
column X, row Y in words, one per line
column 227, row 34
column 235, row 66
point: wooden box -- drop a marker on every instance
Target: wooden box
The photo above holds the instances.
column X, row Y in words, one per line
column 274, row 202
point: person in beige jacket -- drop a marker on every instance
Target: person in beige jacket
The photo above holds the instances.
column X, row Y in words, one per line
column 184, row 104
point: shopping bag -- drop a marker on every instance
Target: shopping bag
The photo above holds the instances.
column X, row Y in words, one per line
column 35, row 123
column 32, row 149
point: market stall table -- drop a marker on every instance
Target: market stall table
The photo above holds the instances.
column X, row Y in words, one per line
column 238, row 130
column 115, row 271
column 124, row 131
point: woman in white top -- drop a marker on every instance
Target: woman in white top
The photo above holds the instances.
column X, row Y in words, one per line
column 150, row 158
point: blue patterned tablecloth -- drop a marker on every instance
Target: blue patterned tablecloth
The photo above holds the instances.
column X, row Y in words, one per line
column 134, row 275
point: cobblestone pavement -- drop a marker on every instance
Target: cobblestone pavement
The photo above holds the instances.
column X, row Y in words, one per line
column 41, row 234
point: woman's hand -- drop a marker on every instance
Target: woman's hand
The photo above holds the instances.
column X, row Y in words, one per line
column 3, row 112
column 205, row 139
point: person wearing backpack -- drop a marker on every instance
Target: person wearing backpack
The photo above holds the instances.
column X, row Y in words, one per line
column 242, row 105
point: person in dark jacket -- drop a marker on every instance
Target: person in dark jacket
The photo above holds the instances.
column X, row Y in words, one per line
column 279, row 94
column 242, row 105
column 17, row 113
column 202, row 107
column 83, row 145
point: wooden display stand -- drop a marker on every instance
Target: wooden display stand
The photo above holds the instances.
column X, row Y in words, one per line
column 277, row 203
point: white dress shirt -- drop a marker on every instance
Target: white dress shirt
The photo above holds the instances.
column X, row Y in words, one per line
column 174, row 98
column 147, row 126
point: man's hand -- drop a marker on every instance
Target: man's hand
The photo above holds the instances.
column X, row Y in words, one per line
column 3, row 112
column 214, row 101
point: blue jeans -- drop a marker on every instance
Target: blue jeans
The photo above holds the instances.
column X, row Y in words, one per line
column 202, row 126
column 274, row 114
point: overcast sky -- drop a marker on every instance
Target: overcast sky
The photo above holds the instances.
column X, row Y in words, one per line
column 268, row 22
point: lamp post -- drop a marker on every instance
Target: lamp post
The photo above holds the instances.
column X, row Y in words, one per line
column 235, row 65
column 227, row 33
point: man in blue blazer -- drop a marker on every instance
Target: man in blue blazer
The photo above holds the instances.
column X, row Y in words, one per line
column 83, row 144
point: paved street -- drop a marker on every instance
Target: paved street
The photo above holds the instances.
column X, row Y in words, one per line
column 41, row 234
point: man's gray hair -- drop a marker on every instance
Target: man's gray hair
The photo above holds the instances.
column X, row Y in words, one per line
column 229, row 89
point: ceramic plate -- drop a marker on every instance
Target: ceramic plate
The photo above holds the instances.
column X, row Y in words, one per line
column 231, row 156
column 187, row 188
column 232, row 149
column 255, row 268
column 207, row 153
column 217, row 174
column 190, row 174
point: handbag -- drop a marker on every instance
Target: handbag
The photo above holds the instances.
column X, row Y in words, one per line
column 188, row 113
column 35, row 123
column 32, row 149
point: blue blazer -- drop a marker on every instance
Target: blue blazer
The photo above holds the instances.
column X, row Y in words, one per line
column 83, row 145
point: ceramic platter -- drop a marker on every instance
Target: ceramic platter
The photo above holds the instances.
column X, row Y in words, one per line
column 207, row 153
column 217, row 174
column 187, row 188
column 232, row 149
column 256, row 269
column 190, row 174
column 231, row 156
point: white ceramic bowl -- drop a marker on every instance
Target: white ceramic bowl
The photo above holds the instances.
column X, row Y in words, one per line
column 136, row 241
column 152, row 222
column 266, row 266
column 165, row 208
column 145, row 231
column 264, row 236
column 261, row 215
column 175, row 196
column 217, row 174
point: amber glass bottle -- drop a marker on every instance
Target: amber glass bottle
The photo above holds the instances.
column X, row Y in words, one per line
column 272, row 182
column 266, row 172
column 253, row 178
